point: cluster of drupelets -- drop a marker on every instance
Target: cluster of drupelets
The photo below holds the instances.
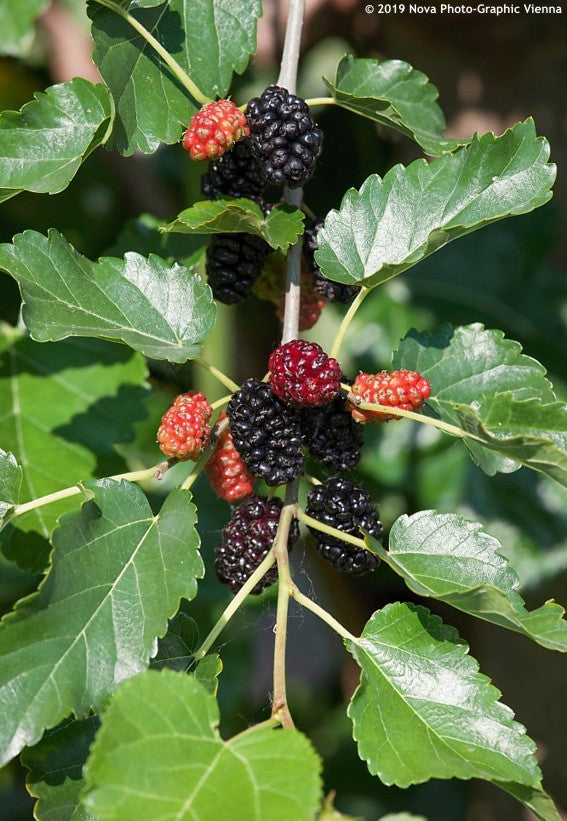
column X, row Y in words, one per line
column 305, row 402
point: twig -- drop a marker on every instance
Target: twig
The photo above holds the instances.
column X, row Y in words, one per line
column 347, row 319
column 218, row 374
column 280, row 707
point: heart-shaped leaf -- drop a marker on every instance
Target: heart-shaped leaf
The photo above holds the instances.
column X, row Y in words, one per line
column 280, row 227
column 210, row 39
column 43, row 144
column 394, row 94
column 423, row 710
column 483, row 384
column 394, row 222
column 118, row 575
column 159, row 750
column 164, row 312
column 446, row 557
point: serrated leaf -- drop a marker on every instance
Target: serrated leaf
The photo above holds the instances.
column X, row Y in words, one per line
column 423, row 710
column 483, row 384
column 164, row 312
column 159, row 750
column 394, row 222
column 16, row 23
column 280, row 227
column 526, row 432
column 56, row 770
column 43, row 145
column 394, row 94
column 63, row 409
column 446, row 557
column 10, row 484
column 210, row 39
column 118, row 574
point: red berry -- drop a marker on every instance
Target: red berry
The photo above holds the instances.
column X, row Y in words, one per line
column 184, row 431
column 214, row 130
column 227, row 472
column 301, row 373
column 407, row 390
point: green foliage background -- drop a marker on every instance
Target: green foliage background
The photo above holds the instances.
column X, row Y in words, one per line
column 510, row 275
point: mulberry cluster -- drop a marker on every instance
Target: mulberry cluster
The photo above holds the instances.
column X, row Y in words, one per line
column 185, row 431
column 332, row 435
column 236, row 174
column 266, row 433
column 233, row 263
column 227, row 472
column 215, row 129
column 346, row 507
column 246, row 540
column 285, row 138
column 403, row 389
column 301, row 373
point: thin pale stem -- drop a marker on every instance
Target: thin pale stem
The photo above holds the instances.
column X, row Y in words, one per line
column 269, row 724
column 198, row 468
column 321, row 101
column 236, row 602
column 280, row 707
column 176, row 69
column 330, row 531
column 312, row 479
column 347, row 319
column 75, row 490
column 222, row 377
column 220, row 403
column 309, row 604
column 290, row 56
column 452, row 430
column 290, row 328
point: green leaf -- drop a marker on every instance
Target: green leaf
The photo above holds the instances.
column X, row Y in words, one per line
column 63, row 409
column 210, row 39
column 396, row 95
column 176, row 648
column 56, row 770
column 483, row 384
column 446, row 557
column 16, row 23
column 164, row 312
column 10, row 484
column 158, row 751
column 280, row 228
column 394, row 222
column 43, row 144
column 535, row 799
column 423, row 710
column 208, row 671
column 118, row 574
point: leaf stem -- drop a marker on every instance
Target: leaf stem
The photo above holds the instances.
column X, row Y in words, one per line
column 75, row 490
column 330, row 531
column 176, row 69
column 280, row 707
column 222, row 377
column 347, row 319
column 269, row 723
column 319, row 611
column 321, row 101
column 452, row 430
column 236, row 602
